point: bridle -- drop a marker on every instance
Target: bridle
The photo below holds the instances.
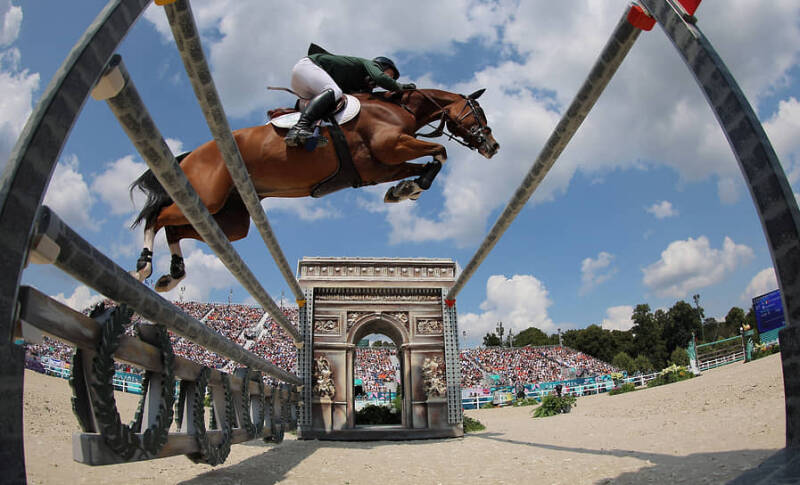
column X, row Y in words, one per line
column 475, row 136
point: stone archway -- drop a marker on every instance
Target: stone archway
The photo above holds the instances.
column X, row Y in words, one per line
column 350, row 298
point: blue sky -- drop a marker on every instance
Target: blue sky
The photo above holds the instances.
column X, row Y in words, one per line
column 646, row 205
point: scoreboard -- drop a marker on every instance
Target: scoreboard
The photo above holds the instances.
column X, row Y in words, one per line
column 769, row 311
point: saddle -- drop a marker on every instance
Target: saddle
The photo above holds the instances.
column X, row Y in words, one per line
column 346, row 110
column 346, row 174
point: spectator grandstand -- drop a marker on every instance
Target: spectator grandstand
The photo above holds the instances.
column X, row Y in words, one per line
column 376, row 367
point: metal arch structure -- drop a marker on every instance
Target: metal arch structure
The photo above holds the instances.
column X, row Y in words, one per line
column 34, row 233
column 772, row 195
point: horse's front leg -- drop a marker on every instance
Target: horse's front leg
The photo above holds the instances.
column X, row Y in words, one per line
column 411, row 147
column 177, row 270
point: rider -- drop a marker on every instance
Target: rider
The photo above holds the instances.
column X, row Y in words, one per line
column 323, row 77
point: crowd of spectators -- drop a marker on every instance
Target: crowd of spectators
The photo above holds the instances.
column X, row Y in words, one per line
column 376, row 367
column 527, row 365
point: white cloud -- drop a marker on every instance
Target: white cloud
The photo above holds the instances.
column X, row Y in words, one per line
column 11, row 22
column 234, row 30
column 728, row 190
column 519, row 302
column 204, row 273
column 527, row 93
column 68, row 194
column 17, row 87
column 175, row 145
column 618, row 318
column 782, row 129
column 81, row 299
column 662, row 210
column 692, row 264
column 596, row 271
column 306, row 208
column 112, row 185
column 764, row 282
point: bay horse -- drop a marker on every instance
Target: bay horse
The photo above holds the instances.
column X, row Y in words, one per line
column 381, row 140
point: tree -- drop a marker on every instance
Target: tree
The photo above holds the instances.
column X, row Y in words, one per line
column 377, row 343
column 642, row 364
column 712, row 328
column 750, row 321
column 679, row 356
column 531, row 336
column 733, row 321
column 646, row 331
column 700, row 315
column 591, row 340
column 625, row 362
column 681, row 322
column 491, row 340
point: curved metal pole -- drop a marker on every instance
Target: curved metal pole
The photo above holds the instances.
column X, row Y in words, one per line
column 129, row 109
column 614, row 52
column 771, row 192
column 184, row 29
column 24, row 181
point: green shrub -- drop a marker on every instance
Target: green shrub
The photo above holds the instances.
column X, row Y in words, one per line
column 627, row 387
column 528, row 401
column 372, row 414
column 488, row 405
column 643, row 364
column 472, row 425
column 552, row 405
column 679, row 357
column 397, row 403
column 671, row 374
column 625, row 362
column 762, row 351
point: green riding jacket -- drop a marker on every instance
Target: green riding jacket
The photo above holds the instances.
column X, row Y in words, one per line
column 351, row 73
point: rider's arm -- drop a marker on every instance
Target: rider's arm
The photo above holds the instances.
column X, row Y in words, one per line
column 379, row 77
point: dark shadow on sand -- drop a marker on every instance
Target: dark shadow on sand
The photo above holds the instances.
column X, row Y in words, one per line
column 775, row 468
column 276, row 461
column 782, row 467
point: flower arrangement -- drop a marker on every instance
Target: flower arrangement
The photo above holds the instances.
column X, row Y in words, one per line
column 673, row 373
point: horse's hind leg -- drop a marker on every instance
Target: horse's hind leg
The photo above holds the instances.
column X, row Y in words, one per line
column 233, row 219
column 177, row 270
column 144, row 265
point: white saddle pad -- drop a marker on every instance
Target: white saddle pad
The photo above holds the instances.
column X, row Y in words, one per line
column 351, row 108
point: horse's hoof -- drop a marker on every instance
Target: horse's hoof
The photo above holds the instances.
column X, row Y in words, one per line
column 390, row 197
column 407, row 189
column 142, row 274
column 166, row 283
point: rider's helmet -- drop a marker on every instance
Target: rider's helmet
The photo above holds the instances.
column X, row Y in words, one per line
column 386, row 63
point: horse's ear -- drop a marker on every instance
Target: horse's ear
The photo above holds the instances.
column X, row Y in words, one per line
column 476, row 94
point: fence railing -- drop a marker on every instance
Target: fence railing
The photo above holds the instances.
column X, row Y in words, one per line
column 728, row 359
column 476, row 402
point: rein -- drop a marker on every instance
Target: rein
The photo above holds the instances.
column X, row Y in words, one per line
column 440, row 130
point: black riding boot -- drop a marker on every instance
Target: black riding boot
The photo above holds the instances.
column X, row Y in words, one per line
column 321, row 105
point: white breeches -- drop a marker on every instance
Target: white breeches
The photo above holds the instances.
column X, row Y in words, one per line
column 309, row 80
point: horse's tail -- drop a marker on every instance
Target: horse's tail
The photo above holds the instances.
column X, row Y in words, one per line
column 157, row 196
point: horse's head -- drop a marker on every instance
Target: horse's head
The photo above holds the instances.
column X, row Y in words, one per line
column 465, row 119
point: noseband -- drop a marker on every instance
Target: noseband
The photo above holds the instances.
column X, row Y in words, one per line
column 475, row 136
